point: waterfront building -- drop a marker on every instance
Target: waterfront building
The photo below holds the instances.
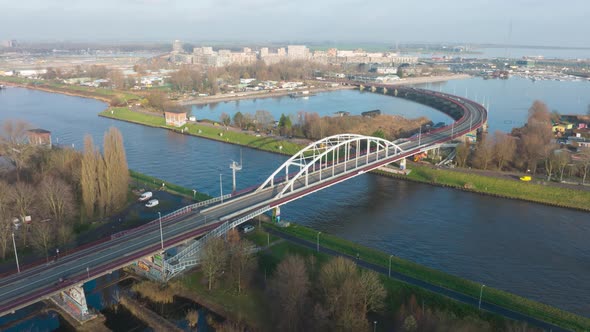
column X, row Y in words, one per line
column 39, row 137
column 175, row 118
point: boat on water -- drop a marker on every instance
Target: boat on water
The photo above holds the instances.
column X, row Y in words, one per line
column 301, row 94
column 145, row 196
column 152, row 203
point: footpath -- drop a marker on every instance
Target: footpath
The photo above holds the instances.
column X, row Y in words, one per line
column 419, row 283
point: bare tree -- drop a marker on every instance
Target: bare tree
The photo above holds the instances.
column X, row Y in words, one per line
column 484, row 153
column 463, row 151
column 5, row 218
column 24, row 198
column 225, row 119
column 504, row 148
column 57, row 199
column 289, row 289
column 341, row 294
column 43, row 237
column 550, row 159
column 536, row 135
column 584, row 163
column 563, row 158
column 372, row 292
column 14, row 144
column 213, row 260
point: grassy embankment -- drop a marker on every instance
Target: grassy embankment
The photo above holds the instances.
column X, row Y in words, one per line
column 155, row 183
column 211, row 132
column 106, row 95
column 252, row 306
column 507, row 300
column 551, row 195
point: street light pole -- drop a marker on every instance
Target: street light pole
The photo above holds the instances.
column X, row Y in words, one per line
column 15, row 253
column 452, row 129
column 374, row 326
column 161, row 233
column 390, row 257
column 480, row 294
column 318, row 242
column 420, row 136
column 221, row 187
column 88, row 272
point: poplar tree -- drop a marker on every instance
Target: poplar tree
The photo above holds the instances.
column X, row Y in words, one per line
column 89, row 176
column 116, row 170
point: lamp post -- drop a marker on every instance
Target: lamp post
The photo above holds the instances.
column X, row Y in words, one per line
column 420, row 136
column 88, row 272
column 161, row 233
column 390, row 257
column 318, row 241
column 452, row 129
column 221, row 187
column 194, row 193
column 480, row 294
column 374, row 326
column 15, row 253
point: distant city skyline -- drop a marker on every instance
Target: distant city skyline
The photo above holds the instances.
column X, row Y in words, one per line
column 539, row 22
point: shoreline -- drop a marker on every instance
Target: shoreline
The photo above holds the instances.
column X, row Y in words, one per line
column 261, row 95
column 221, row 139
column 55, row 90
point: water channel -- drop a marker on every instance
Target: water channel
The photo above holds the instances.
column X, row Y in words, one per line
column 535, row 251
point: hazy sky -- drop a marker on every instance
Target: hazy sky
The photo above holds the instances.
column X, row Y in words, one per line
column 534, row 22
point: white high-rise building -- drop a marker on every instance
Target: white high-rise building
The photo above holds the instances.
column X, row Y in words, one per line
column 297, row 52
column 177, row 47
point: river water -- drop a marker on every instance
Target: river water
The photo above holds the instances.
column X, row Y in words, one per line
column 536, row 251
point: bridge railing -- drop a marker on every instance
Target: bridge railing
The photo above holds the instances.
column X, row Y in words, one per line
column 171, row 216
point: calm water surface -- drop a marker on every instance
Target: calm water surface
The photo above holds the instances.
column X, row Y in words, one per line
column 532, row 250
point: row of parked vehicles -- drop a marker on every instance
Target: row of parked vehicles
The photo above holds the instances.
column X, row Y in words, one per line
column 147, row 196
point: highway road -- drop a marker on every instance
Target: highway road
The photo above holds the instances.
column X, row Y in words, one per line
column 36, row 283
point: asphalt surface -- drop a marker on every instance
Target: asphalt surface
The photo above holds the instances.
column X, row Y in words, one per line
column 35, row 283
column 425, row 285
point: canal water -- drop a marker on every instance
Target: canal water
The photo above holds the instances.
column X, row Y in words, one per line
column 532, row 250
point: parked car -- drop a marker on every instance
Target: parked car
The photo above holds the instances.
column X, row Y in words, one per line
column 152, row 203
column 145, row 196
column 248, row 228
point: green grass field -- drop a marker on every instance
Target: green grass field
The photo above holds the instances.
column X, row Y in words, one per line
column 507, row 300
column 217, row 133
column 579, row 199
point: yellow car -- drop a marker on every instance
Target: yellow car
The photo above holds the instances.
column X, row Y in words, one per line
column 525, row 178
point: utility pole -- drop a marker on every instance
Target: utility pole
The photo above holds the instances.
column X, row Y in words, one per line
column 420, row 136
column 235, row 167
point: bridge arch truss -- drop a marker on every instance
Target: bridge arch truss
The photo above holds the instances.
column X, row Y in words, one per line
column 329, row 153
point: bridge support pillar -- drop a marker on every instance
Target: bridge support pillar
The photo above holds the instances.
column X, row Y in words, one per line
column 402, row 164
column 276, row 214
column 384, row 90
column 373, row 88
column 73, row 301
column 150, row 267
